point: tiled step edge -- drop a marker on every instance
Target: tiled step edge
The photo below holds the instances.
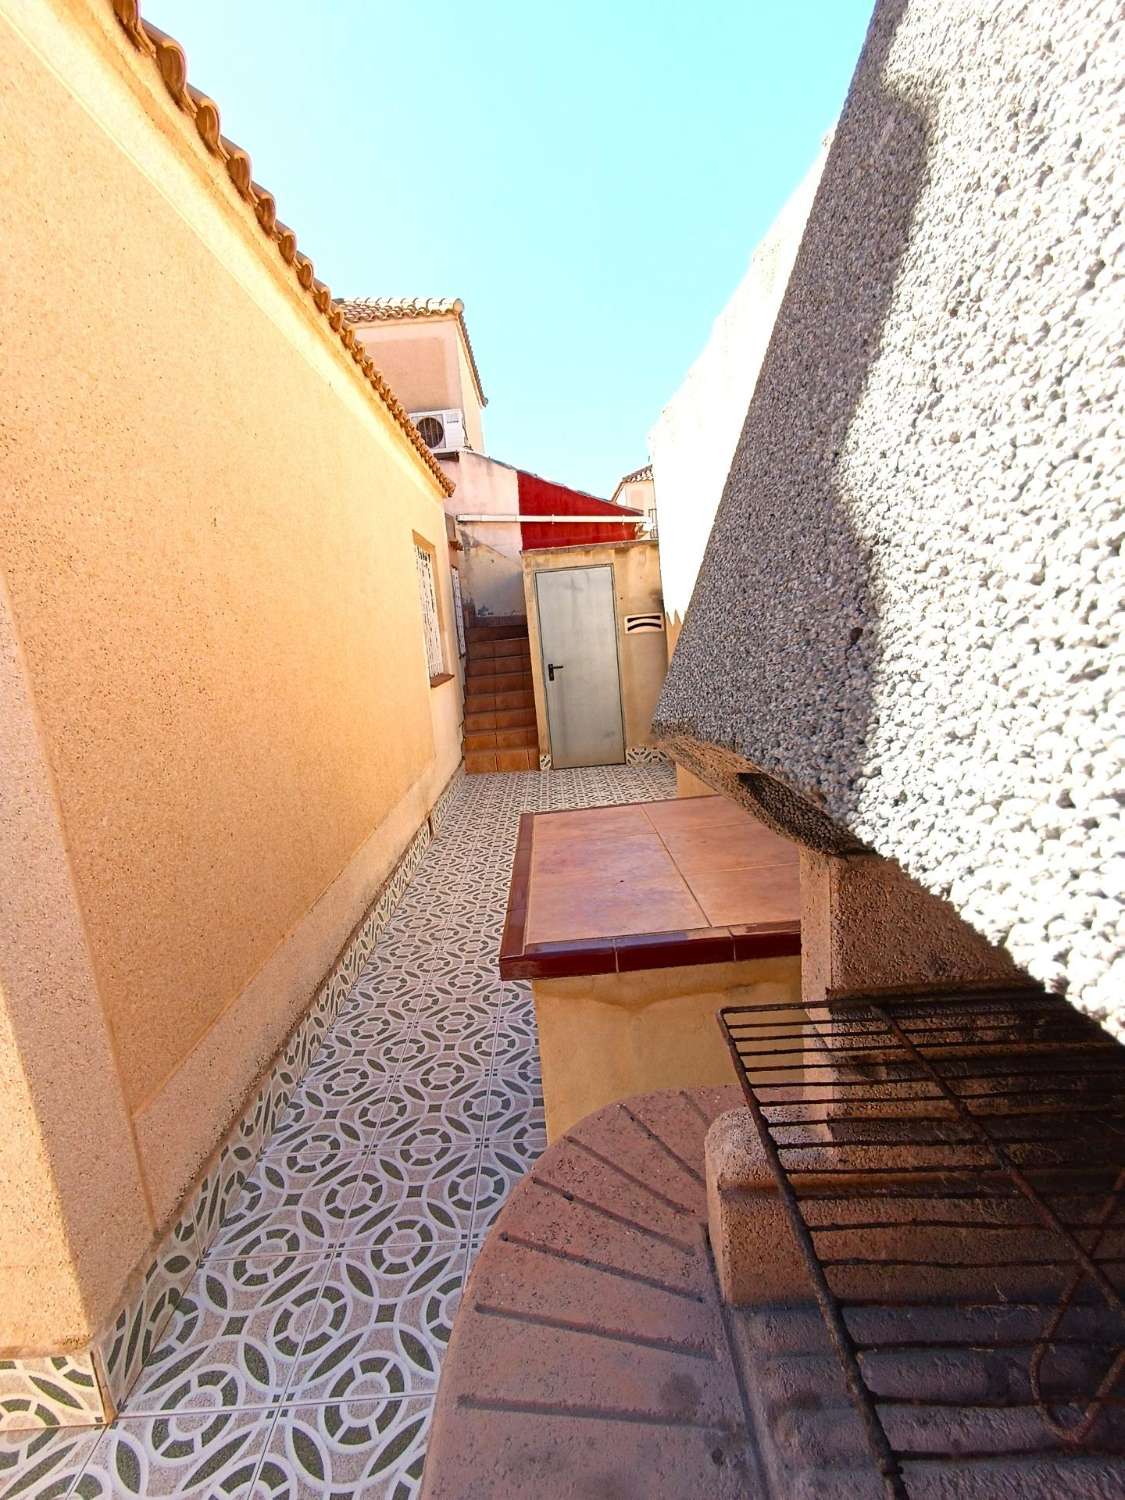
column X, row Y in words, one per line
column 88, row 1387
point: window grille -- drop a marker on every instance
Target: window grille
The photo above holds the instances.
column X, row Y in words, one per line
column 435, row 659
column 458, row 610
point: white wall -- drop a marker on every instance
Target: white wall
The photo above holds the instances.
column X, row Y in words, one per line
column 492, row 572
column 693, row 441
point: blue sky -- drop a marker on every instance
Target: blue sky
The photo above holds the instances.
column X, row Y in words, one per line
column 590, row 178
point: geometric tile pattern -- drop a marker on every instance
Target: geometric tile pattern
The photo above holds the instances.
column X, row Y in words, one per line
column 647, row 755
column 82, row 1388
column 300, row 1356
column 52, row 1391
column 635, row 755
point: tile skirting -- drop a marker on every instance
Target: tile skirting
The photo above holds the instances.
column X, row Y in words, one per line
column 646, row 755
column 88, row 1387
column 635, row 755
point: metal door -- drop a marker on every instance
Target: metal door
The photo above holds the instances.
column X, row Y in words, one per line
column 578, row 641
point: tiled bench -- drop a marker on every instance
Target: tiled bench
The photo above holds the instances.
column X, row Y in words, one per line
column 591, row 1355
column 635, row 925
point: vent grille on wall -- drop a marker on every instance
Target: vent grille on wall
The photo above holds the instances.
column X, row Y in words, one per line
column 634, row 624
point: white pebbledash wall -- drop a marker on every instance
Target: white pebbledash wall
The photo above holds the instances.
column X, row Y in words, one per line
column 694, row 440
column 908, row 612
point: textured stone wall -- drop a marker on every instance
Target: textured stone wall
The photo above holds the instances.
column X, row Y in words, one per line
column 907, row 611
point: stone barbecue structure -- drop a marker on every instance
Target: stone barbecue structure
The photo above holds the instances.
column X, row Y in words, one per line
column 904, row 627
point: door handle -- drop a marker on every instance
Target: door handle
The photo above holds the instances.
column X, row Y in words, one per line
column 552, row 668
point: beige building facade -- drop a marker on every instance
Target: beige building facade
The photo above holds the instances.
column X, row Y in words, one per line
column 637, row 491
column 492, row 573
column 422, row 347
column 218, row 736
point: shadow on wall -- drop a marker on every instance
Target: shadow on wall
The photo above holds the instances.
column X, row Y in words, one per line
column 801, row 664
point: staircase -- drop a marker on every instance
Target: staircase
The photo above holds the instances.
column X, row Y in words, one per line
column 500, row 732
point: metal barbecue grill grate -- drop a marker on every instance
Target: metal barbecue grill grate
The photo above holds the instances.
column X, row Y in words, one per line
column 953, row 1168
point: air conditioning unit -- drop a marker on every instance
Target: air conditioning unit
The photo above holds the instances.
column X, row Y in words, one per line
column 442, row 431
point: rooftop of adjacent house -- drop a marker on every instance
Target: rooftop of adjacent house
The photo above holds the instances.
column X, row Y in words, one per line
column 638, row 476
column 360, row 310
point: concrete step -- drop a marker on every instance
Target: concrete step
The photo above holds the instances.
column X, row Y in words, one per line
column 504, row 718
column 499, row 682
column 478, row 761
column 485, row 703
column 508, row 628
column 485, row 650
column 524, row 737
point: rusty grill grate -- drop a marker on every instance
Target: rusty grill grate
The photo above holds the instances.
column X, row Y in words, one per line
column 954, row 1171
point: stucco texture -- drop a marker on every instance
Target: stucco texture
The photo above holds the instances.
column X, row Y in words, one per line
column 908, row 608
column 604, row 1037
column 206, row 526
column 53, row 1153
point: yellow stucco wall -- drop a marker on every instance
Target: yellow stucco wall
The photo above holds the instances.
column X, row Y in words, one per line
column 206, row 525
column 642, row 658
column 603, row 1037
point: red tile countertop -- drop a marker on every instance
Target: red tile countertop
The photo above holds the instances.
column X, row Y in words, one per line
column 648, row 885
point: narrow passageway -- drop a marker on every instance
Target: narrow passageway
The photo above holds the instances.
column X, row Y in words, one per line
column 304, row 1358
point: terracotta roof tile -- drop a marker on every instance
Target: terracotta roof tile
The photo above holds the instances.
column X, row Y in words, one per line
column 360, row 310
column 168, row 56
column 645, row 472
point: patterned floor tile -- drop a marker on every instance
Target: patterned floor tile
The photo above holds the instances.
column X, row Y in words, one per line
column 381, row 1325
column 305, row 1137
column 310, row 1114
column 361, row 1074
column 373, row 1449
column 528, row 1142
column 364, row 1032
column 445, row 1071
column 504, row 1162
column 515, row 1050
column 418, row 1113
column 515, row 1102
column 462, row 1115
column 192, row 1455
column 427, row 1181
column 288, row 1210
column 447, row 1026
column 235, row 1336
column 43, row 1464
column 478, row 984
column 389, row 987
